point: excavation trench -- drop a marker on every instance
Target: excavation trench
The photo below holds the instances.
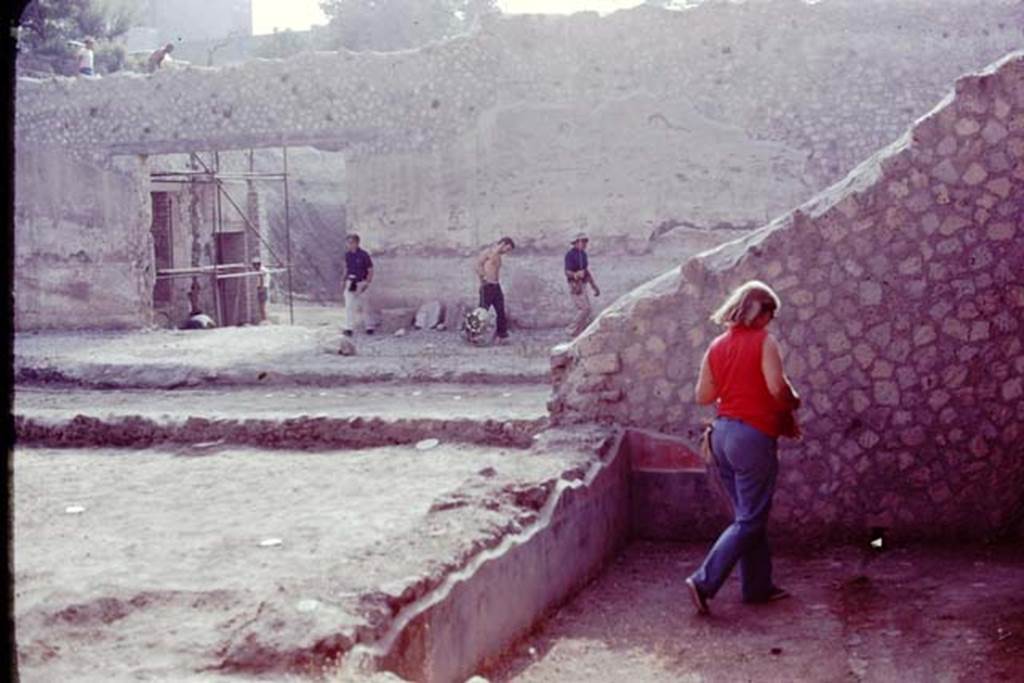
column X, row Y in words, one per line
column 430, row 564
column 469, row 622
column 296, row 418
column 305, row 433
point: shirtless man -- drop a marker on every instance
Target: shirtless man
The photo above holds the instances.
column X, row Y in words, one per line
column 488, row 268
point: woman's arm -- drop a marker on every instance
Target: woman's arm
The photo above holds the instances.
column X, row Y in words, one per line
column 705, row 392
column 775, row 377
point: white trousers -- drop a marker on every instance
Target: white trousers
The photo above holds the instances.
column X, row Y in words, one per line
column 582, row 303
column 356, row 310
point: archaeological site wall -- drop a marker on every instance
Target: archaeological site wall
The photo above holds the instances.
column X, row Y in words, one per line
column 83, row 255
column 902, row 325
column 635, row 127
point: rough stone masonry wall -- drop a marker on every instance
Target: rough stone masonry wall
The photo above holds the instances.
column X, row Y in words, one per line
column 729, row 112
column 902, row 324
column 537, row 126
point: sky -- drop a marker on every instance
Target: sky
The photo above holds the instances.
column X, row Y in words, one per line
column 301, row 14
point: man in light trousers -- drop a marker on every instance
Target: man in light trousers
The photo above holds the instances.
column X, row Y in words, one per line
column 358, row 276
column 577, row 273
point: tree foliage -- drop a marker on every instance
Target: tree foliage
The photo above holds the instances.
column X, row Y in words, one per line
column 386, row 25
column 282, row 44
column 49, row 30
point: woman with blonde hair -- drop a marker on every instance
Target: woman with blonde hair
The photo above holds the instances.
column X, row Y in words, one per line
column 741, row 373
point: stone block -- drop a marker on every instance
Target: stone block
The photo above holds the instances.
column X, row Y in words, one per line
column 593, row 384
column 870, row 293
column 837, row 343
column 655, row 345
column 1012, row 389
column 947, row 146
column 953, row 224
column 864, row 354
column 994, row 132
column 429, row 315
column 946, row 172
column 980, row 330
column 925, row 334
column 394, row 319
column 561, row 356
column 1001, row 232
column 881, row 369
column 887, row 393
column 1000, row 187
column 975, row 174
column 601, row 364
column 967, row 126
column 956, row 329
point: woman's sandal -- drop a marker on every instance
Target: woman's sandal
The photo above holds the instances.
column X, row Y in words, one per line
column 699, row 601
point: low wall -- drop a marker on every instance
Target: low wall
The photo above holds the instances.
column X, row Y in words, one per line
column 903, row 296
column 533, row 280
column 477, row 613
column 673, row 495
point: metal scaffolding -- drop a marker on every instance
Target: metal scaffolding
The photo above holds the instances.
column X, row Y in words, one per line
column 211, row 173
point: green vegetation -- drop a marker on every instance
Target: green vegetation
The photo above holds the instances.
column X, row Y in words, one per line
column 51, row 32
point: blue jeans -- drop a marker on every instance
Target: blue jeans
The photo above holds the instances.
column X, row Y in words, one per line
column 747, row 466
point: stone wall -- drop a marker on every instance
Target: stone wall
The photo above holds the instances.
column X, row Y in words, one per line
column 903, row 302
column 82, row 247
column 629, row 126
column 536, row 293
column 729, row 112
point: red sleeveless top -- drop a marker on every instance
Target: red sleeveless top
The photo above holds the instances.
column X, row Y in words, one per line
column 735, row 360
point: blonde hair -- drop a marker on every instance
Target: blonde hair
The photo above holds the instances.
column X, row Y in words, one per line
column 746, row 303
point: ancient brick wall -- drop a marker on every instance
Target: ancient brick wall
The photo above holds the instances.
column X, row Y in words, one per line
column 902, row 324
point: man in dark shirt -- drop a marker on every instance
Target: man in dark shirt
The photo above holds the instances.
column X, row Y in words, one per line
column 159, row 56
column 358, row 276
column 577, row 273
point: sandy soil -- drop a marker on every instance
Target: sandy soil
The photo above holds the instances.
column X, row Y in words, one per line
column 912, row 615
column 385, row 400
column 272, row 354
column 161, row 574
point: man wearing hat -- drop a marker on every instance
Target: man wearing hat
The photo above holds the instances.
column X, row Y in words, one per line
column 577, row 273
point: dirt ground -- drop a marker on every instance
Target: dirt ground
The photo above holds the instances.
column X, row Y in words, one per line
column 154, row 565
column 226, row 562
column 385, row 400
column 909, row 615
column 304, row 353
